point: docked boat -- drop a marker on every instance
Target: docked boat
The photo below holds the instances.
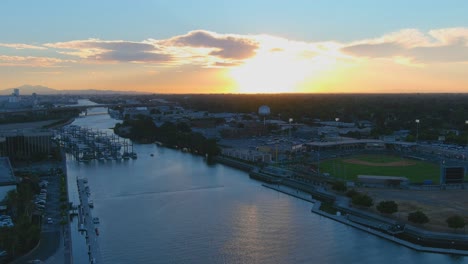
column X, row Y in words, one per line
column 126, row 155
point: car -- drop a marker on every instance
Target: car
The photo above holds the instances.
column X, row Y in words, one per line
column 50, row 221
column 6, row 224
column 4, row 217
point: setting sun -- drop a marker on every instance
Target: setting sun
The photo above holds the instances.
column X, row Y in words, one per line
column 281, row 67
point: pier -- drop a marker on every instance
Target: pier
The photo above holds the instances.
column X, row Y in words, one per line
column 86, row 224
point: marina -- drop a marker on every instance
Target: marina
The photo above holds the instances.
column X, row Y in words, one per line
column 86, row 144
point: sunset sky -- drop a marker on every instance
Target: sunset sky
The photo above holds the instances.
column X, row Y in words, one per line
column 251, row 46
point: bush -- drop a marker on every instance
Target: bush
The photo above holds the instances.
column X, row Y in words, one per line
column 387, row 207
column 351, row 193
column 455, row 221
column 362, row 200
column 328, row 208
column 339, row 186
column 418, row 217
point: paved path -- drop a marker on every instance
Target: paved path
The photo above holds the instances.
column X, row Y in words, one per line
column 289, row 191
column 85, row 222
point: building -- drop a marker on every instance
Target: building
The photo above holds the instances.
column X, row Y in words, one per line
column 25, row 144
column 7, row 178
column 246, row 154
column 376, row 180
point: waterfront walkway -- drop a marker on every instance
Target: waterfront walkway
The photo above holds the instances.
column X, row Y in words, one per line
column 358, row 222
column 85, row 223
column 289, row 191
column 343, row 219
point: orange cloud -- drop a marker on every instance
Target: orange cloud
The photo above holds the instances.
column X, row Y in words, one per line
column 30, row 61
column 21, row 46
column 437, row 46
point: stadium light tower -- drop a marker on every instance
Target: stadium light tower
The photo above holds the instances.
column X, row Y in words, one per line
column 417, row 130
column 290, row 121
column 337, row 128
column 466, row 123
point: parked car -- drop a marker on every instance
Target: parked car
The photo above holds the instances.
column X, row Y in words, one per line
column 4, row 217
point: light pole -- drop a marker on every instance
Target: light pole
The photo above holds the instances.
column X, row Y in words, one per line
column 417, row 130
column 290, row 121
column 466, row 123
column 338, row 120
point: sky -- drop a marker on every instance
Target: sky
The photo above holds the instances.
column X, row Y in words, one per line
column 243, row 46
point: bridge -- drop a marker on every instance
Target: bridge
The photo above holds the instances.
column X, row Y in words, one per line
column 81, row 108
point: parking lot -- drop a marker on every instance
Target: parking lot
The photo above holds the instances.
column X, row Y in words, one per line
column 53, row 234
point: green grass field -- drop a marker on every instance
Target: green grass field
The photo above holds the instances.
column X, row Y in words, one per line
column 416, row 173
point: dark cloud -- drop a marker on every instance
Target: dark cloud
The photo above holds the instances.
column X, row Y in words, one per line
column 131, row 56
column 374, row 50
column 125, row 46
column 122, row 51
column 228, row 47
column 453, row 53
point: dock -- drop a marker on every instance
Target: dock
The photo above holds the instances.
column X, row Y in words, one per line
column 86, row 224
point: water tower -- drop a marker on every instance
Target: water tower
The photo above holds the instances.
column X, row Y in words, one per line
column 264, row 110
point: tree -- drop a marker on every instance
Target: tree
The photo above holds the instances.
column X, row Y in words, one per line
column 455, row 221
column 339, row 186
column 362, row 200
column 351, row 193
column 418, row 217
column 387, row 207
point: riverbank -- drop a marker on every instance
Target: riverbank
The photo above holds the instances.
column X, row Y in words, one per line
column 408, row 236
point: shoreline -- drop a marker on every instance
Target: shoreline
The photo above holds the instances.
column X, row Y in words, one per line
column 445, row 240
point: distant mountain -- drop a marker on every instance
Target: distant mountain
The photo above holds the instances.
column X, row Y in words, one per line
column 29, row 89
column 42, row 90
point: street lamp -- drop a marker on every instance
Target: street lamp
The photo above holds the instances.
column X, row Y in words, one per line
column 338, row 120
column 290, row 121
column 466, row 123
column 417, row 130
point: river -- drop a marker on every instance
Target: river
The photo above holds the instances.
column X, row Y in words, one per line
column 171, row 207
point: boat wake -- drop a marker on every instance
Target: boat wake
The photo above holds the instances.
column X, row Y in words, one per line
column 199, row 188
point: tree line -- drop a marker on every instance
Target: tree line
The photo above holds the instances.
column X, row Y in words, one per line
column 174, row 135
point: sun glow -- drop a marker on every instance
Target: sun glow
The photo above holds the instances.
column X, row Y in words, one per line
column 282, row 66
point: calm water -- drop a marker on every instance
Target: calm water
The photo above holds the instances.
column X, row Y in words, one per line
column 174, row 208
